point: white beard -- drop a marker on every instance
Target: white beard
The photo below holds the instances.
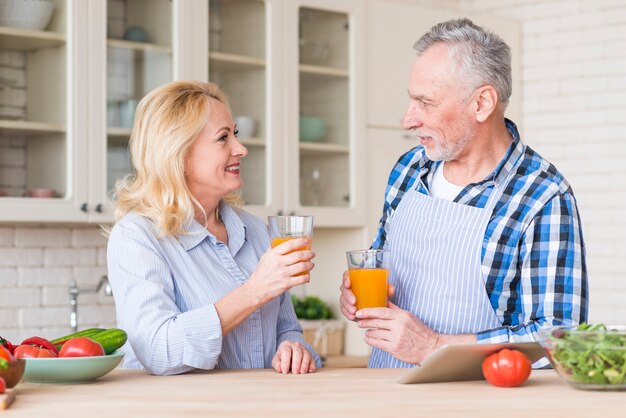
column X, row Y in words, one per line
column 445, row 151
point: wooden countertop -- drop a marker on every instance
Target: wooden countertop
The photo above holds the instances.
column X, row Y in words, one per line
column 330, row 392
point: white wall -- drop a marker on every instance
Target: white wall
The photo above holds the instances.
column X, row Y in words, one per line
column 574, row 114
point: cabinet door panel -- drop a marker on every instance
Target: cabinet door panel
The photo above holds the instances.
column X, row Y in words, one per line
column 384, row 148
column 131, row 55
column 325, row 111
column 393, row 28
column 241, row 62
column 43, row 117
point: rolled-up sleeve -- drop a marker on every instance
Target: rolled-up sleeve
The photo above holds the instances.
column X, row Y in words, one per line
column 164, row 340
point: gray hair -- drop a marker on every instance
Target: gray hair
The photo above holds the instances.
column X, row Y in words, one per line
column 480, row 57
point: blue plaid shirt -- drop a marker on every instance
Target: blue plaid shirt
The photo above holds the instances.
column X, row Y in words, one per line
column 533, row 255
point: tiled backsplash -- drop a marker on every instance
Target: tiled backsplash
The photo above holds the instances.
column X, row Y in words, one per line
column 36, row 266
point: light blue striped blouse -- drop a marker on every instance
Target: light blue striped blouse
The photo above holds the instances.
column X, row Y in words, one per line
column 165, row 291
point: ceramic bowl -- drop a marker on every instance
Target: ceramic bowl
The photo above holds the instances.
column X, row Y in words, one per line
column 41, row 193
column 26, row 14
column 246, row 126
column 14, row 372
column 70, row 369
column 588, row 357
column 312, row 128
column 136, row 34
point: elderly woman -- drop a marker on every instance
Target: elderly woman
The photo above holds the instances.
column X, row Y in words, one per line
column 196, row 285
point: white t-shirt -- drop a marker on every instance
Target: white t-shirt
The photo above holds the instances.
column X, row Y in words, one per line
column 440, row 187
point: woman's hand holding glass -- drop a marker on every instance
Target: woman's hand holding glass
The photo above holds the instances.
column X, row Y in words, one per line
column 281, row 268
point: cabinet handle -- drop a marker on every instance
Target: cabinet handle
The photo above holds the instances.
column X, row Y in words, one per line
column 293, row 212
column 279, row 213
column 83, row 207
column 408, row 136
column 99, row 208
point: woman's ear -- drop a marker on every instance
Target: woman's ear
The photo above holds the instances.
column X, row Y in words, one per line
column 484, row 103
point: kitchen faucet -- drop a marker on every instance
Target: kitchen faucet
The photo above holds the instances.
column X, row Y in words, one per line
column 75, row 290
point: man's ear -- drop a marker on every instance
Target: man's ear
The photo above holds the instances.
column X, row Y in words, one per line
column 484, row 102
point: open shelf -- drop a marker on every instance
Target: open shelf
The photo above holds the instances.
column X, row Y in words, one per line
column 309, row 149
column 321, row 70
column 23, row 127
column 28, row 40
column 138, row 46
column 229, row 63
column 117, row 132
column 252, row 142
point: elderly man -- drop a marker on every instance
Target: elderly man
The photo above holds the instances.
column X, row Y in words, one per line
column 485, row 237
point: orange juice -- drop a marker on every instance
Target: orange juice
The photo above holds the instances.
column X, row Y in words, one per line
column 276, row 241
column 369, row 286
column 279, row 240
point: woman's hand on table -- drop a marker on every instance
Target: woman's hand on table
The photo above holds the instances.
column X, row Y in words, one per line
column 294, row 357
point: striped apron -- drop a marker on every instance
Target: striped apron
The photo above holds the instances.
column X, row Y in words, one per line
column 436, row 267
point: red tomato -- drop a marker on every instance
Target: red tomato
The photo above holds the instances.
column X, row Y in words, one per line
column 3, row 386
column 30, row 351
column 81, row 347
column 6, row 354
column 506, row 368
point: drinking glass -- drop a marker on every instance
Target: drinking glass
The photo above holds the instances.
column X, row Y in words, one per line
column 368, row 277
column 285, row 228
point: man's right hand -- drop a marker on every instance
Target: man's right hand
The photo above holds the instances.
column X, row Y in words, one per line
column 347, row 301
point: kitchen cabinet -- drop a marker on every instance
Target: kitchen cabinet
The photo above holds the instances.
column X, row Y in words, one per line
column 384, row 146
column 293, row 71
column 80, row 73
column 131, row 53
column 43, row 112
column 293, row 68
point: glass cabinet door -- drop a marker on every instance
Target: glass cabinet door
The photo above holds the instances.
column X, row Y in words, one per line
column 238, row 64
column 35, row 148
column 324, row 117
column 138, row 59
column 325, row 131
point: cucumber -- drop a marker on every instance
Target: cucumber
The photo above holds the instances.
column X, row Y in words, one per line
column 89, row 332
column 110, row 339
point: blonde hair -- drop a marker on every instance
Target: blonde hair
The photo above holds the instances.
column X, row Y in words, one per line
column 167, row 122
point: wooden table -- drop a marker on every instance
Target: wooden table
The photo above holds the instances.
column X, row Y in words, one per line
column 339, row 392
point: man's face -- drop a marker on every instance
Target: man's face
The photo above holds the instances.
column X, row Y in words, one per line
column 438, row 107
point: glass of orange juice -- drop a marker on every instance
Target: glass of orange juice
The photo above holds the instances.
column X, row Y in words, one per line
column 284, row 228
column 368, row 277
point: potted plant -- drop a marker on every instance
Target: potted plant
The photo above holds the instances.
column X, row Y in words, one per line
column 323, row 332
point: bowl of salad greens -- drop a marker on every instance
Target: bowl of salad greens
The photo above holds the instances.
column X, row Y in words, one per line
column 588, row 356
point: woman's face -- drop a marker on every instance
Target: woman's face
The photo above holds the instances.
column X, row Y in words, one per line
column 212, row 166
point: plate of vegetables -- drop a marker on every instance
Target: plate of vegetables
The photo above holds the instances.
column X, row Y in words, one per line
column 588, row 356
column 75, row 358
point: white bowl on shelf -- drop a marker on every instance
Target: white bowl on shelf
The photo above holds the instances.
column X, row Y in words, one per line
column 26, row 14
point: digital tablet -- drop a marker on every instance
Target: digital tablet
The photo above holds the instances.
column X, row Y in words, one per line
column 459, row 362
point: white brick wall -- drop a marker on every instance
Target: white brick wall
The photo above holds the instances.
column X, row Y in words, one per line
column 36, row 266
column 574, row 114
